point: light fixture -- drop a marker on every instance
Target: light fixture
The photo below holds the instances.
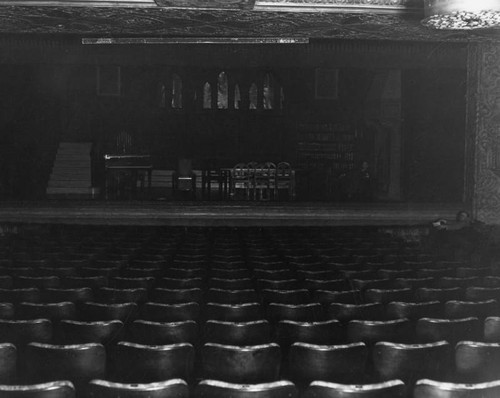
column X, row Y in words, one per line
column 462, row 14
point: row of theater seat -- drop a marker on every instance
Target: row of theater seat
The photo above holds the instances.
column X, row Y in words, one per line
column 356, row 363
column 309, row 304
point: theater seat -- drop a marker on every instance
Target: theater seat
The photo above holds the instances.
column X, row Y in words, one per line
column 451, row 330
column 162, row 333
column 55, row 389
column 244, row 312
column 426, row 388
column 78, row 363
column 138, row 363
column 22, row 332
column 371, row 332
column 321, row 333
column 8, row 363
column 221, row 389
column 78, row 332
column 238, row 333
column 477, row 362
column 388, row 389
column 241, row 364
column 410, row 362
column 336, row 363
column 175, row 388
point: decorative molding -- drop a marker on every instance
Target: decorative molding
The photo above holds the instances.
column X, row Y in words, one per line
column 218, row 4
column 355, row 6
column 487, row 107
column 120, row 22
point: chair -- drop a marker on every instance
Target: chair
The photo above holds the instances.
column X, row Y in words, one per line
column 278, row 285
column 264, row 181
column 176, row 283
column 125, row 312
column 78, row 363
column 426, row 388
column 6, row 311
column 240, row 180
column 231, row 284
column 410, row 362
column 344, row 297
column 27, row 295
column 53, row 311
column 450, row 281
column 451, row 330
column 221, row 389
column 158, row 312
column 138, row 363
column 22, row 332
column 284, row 180
column 414, row 311
column 241, row 364
column 414, row 283
column 176, row 296
column 184, row 179
column 301, row 312
column 93, row 282
column 244, row 312
column 77, row 332
column 479, row 293
column 477, row 362
column 443, row 295
column 464, row 309
column 320, row 333
column 232, row 296
column 75, row 295
column 177, row 388
column 371, row 332
column 348, row 312
column 8, row 363
column 115, row 296
column 337, row 363
column 385, row 296
column 163, row 333
column 492, row 329
column 121, row 282
column 238, row 333
column 54, row 389
column 324, row 389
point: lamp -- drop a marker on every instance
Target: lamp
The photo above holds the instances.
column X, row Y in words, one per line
column 462, row 14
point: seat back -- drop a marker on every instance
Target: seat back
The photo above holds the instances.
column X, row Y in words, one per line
column 221, row 389
column 55, row 389
column 426, row 388
column 77, row 332
column 320, row 333
column 451, row 330
column 177, row 388
column 163, row 333
column 238, row 333
column 324, row 389
column 477, row 362
column 22, row 332
column 241, row 364
column 371, row 332
column 338, row 363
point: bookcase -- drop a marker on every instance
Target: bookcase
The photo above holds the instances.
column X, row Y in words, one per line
column 325, row 150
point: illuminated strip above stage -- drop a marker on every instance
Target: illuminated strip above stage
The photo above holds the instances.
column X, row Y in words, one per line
column 194, row 40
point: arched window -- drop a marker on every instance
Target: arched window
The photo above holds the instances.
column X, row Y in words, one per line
column 176, row 92
column 207, row 96
column 162, row 96
column 237, row 97
column 268, row 92
column 222, row 91
column 252, row 94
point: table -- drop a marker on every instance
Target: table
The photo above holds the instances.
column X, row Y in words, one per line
column 124, row 172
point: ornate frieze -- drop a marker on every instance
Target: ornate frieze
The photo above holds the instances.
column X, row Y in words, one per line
column 485, row 99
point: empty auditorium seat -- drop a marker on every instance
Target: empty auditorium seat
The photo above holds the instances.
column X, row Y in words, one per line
column 163, row 333
column 370, row 332
column 414, row 311
column 22, row 332
column 479, row 293
column 477, row 362
column 337, row 363
column 298, row 296
column 121, row 282
column 241, row 364
column 321, row 333
column 139, row 363
column 232, row 296
column 346, row 296
column 231, row 284
column 125, row 312
column 451, row 330
column 385, row 296
column 427, row 388
column 177, row 283
column 301, row 312
column 435, row 294
column 78, row 332
column 53, row 311
column 410, row 362
column 324, row 389
column 7, row 310
column 27, row 295
column 221, row 389
column 464, row 309
column 55, row 389
column 491, row 330
column 244, row 312
column 348, row 312
column 93, row 282
column 177, row 388
column 76, row 295
column 40, row 282
column 158, row 312
column 176, row 296
column 8, row 363
column 238, row 333
column 77, row 363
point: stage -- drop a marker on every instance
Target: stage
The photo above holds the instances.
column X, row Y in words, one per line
column 231, row 214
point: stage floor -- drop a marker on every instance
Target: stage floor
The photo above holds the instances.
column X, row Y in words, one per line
column 234, row 214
